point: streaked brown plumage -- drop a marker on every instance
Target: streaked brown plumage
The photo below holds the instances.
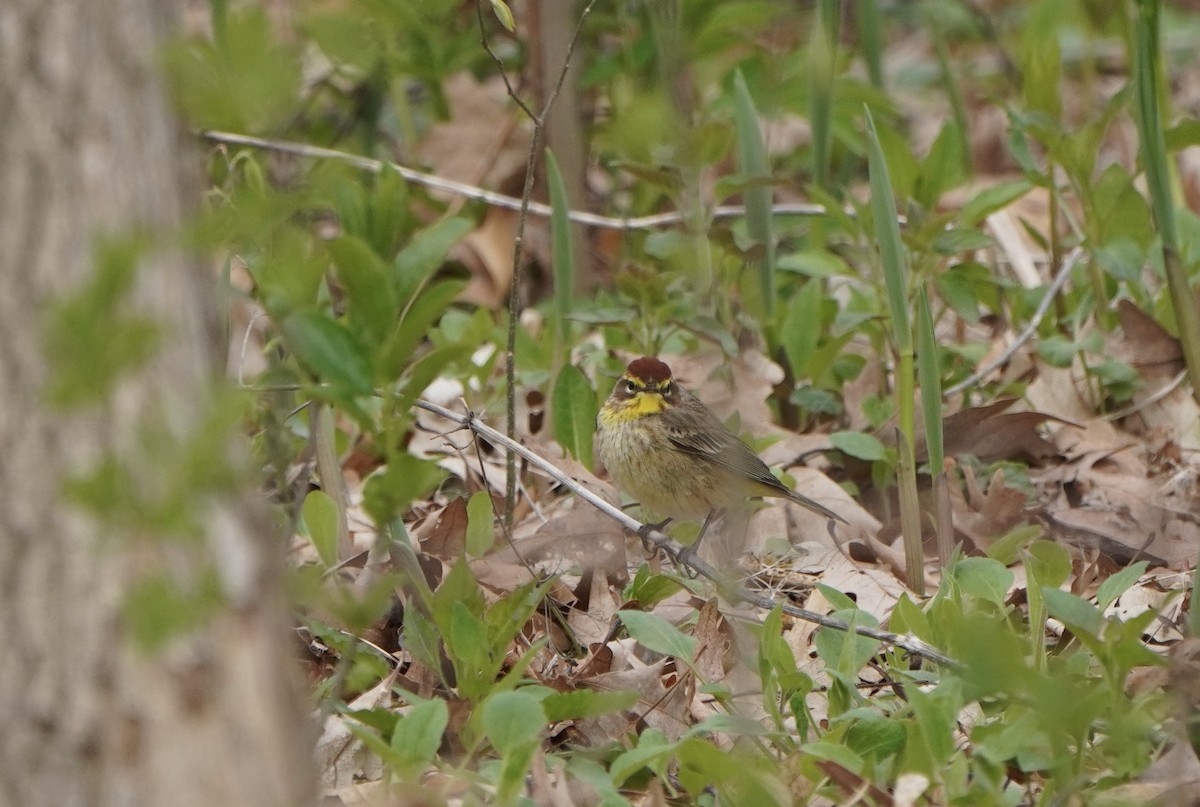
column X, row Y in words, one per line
column 664, row 447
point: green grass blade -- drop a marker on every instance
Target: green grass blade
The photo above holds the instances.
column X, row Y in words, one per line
column 887, row 233
column 561, row 251
column 1147, row 83
column 752, row 153
column 822, row 57
column 870, row 35
column 891, row 255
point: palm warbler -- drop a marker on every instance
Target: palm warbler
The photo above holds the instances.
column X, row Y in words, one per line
column 664, row 447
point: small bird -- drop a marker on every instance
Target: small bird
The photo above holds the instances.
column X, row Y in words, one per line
column 664, row 447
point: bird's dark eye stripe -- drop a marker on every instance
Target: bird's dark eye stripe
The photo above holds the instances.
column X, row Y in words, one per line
column 630, row 385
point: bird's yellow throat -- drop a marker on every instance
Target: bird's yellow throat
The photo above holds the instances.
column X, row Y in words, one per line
column 646, row 402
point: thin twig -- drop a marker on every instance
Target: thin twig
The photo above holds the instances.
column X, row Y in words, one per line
column 492, row 198
column 679, row 554
column 514, row 292
column 1060, row 280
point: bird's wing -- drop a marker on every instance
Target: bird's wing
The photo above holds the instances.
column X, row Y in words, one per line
column 710, row 440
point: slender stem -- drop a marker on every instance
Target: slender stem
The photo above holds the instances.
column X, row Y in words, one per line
column 679, row 553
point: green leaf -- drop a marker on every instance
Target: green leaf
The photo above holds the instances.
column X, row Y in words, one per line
column 504, row 14
column 469, row 650
column 563, row 254
column 991, row 199
column 573, row 406
column 480, row 536
column 418, row 734
column 321, row 518
column 800, row 330
column 330, row 351
column 371, row 301
column 752, row 154
column 657, row 634
column 248, row 82
column 859, row 445
column 425, row 254
column 876, row 737
column 928, row 373
column 952, row 242
column 1075, row 612
column 1057, row 350
column 648, row 588
column 846, row 652
column 433, row 302
column 984, row 578
column 513, row 720
column 1116, row 585
column 392, row 490
column 887, row 235
column 584, row 703
column 943, row 168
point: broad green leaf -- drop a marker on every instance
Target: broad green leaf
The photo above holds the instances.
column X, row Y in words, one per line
column 1074, row 611
column 1058, row 350
column 943, row 169
column 248, row 82
column 1116, row 585
column 418, row 734
column 513, row 720
column 392, row 490
column 991, row 199
column 469, row 650
column 801, row 327
column 583, row 703
column 846, row 652
column 952, row 242
column 321, row 518
column 648, row 588
column 657, row 634
column 397, row 352
column 856, row 444
column 424, row 254
column 1049, row 562
column 480, row 536
column 984, row 578
column 330, row 351
column 371, row 302
column 573, row 407
column 876, row 737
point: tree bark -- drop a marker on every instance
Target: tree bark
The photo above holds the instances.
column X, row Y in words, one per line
column 89, row 148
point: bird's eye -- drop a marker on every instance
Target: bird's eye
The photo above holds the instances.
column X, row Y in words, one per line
column 630, row 386
column 666, row 388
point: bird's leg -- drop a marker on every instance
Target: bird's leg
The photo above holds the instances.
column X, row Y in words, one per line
column 688, row 552
column 645, row 530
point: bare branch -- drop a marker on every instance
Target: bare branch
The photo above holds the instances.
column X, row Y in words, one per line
column 678, row 553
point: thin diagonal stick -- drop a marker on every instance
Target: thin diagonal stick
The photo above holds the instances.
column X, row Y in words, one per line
column 673, row 550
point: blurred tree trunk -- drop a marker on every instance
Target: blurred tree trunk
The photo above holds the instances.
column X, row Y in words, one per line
column 210, row 715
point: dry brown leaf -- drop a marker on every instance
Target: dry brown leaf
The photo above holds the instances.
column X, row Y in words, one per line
column 1059, row 391
column 448, row 538
column 981, row 516
column 1172, row 781
column 873, row 588
column 478, row 142
column 592, row 626
column 1144, row 344
column 342, row 757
